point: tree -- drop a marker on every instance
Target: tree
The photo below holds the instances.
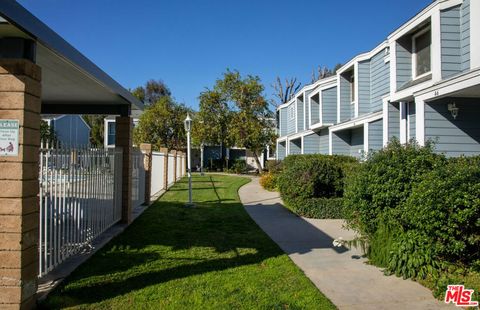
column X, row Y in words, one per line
column 96, row 128
column 236, row 112
column 285, row 92
column 161, row 125
column 47, row 134
column 151, row 92
column 324, row 72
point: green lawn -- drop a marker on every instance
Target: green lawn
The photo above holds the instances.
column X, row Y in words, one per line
column 209, row 257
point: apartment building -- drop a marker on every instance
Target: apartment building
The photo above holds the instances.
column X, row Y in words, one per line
column 422, row 83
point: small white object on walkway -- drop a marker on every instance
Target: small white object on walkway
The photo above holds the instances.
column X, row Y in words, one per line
column 339, row 273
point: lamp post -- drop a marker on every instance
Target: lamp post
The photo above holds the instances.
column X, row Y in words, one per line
column 188, row 127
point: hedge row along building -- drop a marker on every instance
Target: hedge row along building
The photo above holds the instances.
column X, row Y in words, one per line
column 422, row 83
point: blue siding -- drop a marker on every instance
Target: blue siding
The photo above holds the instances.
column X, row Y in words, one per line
column 311, row 144
column 412, row 120
column 300, row 107
column 465, row 37
column 375, row 135
column 356, row 142
column 341, row 142
column 315, row 109
column 393, row 120
column 72, row 130
column 363, row 87
column 380, row 81
column 404, row 62
column 290, row 122
column 283, row 122
column 345, row 104
column 295, row 147
column 307, row 115
column 451, row 41
column 324, row 141
column 454, row 137
column 281, row 150
column 329, row 105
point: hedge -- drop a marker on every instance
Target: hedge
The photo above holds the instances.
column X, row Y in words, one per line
column 418, row 210
column 307, row 182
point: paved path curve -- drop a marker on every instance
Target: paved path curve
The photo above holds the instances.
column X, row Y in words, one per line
column 339, row 273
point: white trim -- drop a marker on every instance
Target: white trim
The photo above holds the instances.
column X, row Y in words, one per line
column 393, row 67
column 420, row 121
column 309, row 111
column 362, row 57
column 304, row 112
column 330, row 142
column 365, row 137
column 385, row 121
column 414, row 52
column 355, row 82
column 448, row 4
column 320, row 126
column 320, row 106
column 407, row 94
column 407, row 106
column 413, row 22
column 338, row 98
column 296, row 115
column 449, row 86
column 302, row 148
column 403, row 123
column 474, row 34
column 358, row 121
column 436, row 47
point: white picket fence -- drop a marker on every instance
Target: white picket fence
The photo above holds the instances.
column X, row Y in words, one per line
column 170, row 172
column 80, row 197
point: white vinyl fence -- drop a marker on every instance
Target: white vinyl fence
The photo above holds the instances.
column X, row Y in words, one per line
column 80, row 197
column 158, row 170
column 138, row 178
column 170, row 172
column 179, row 168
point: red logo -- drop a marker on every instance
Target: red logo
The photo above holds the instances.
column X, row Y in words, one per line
column 460, row 296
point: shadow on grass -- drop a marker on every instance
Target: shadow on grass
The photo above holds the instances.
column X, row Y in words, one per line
column 166, row 243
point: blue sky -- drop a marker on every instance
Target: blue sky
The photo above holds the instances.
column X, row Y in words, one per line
column 190, row 43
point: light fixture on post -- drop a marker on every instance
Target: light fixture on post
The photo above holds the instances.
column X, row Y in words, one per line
column 202, row 147
column 452, row 107
column 188, row 128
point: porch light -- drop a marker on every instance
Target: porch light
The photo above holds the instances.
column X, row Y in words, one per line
column 452, row 107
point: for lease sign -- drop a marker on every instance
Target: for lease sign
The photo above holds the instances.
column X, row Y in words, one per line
column 8, row 137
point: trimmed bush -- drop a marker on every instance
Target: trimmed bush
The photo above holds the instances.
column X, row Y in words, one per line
column 318, row 208
column 307, row 183
column 237, row 166
column 268, row 181
column 384, row 182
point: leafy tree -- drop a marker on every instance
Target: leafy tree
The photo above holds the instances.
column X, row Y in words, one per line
column 152, row 91
column 235, row 112
column 96, row 128
column 161, row 125
column 47, row 134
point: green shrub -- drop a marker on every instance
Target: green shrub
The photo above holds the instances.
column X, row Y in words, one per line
column 384, row 182
column 313, row 176
column 237, row 166
column 312, row 185
column 318, row 208
column 445, row 205
column 274, row 166
column 268, row 181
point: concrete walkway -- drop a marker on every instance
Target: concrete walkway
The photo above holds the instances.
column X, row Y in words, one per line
column 341, row 274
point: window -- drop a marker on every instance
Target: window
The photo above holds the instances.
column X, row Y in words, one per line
column 352, row 88
column 111, row 133
column 291, row 112
column 421, row 46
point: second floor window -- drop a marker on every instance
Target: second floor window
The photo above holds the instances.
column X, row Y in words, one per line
column 421, row 43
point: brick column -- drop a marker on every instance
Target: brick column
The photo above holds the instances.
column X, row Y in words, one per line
column 20, row 93
column 164, row 150
column 123, row 139
column 147, row 161
column 174, row 154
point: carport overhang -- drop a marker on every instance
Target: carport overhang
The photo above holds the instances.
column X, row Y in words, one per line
column 71, row 83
